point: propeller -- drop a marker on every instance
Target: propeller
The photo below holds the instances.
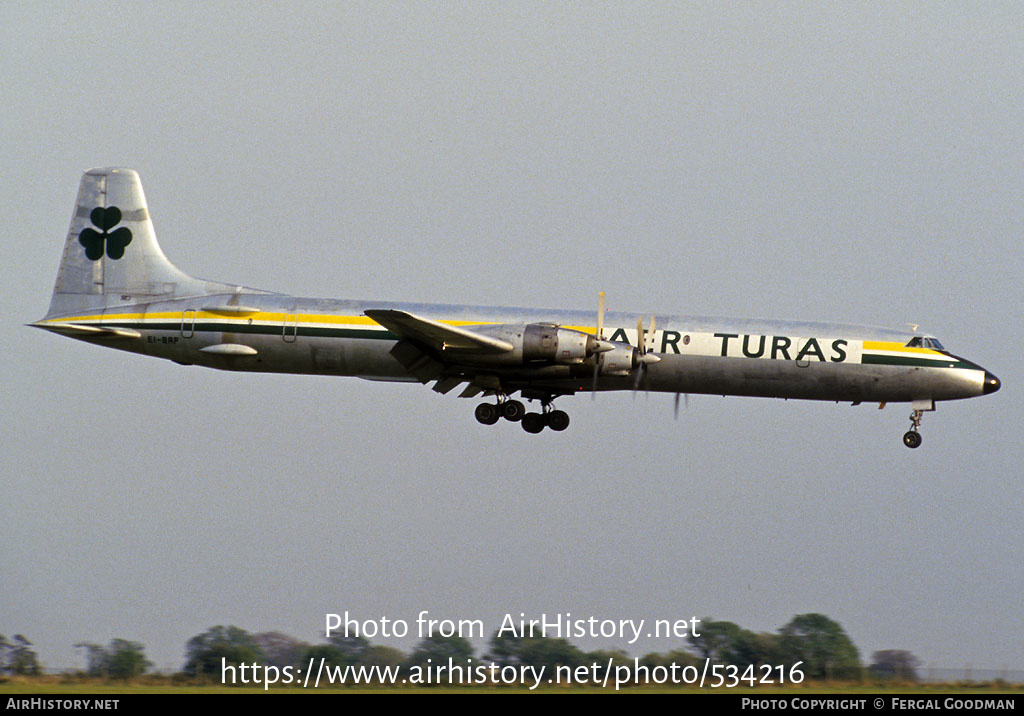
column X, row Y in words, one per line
column 686, row 397
column 644, row 352
column 600, row 340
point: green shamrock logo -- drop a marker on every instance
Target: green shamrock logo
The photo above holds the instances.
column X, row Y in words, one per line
column 93, row 241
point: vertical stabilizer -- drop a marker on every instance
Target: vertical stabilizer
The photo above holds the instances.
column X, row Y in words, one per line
column 111, row 255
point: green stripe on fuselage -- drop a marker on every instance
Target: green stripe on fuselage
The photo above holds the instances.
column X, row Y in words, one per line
column 871, row 359
column 258, row 329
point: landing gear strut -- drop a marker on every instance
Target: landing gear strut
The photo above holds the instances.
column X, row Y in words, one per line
column 912, row 438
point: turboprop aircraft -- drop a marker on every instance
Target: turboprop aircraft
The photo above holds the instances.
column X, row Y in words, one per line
column 116, row 288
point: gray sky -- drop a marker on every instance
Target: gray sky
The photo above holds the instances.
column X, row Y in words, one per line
column 852, row 162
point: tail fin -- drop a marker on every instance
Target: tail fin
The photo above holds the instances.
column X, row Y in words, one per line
column 111, row 255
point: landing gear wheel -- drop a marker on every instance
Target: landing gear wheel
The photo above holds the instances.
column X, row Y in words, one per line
column 513, row 410
column 487, row 413
column 533, row 422
column 912, row 439
column 558, row 420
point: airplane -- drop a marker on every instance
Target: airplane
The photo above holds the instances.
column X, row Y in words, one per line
column 116, row 288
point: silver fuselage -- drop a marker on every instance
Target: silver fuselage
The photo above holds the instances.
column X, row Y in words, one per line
column 780, row 359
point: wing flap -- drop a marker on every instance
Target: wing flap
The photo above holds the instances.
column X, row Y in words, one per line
column 418, row 363
column 471, row 391
column 446, row 385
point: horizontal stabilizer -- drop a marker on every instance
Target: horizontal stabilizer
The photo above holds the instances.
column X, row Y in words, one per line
column 78, row 330
column 437, row 335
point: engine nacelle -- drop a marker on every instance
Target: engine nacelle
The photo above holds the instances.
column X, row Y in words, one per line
column 547, row 342
column 620, row 360
column 538, row 343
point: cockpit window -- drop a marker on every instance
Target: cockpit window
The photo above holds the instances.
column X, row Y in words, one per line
column 922, row 342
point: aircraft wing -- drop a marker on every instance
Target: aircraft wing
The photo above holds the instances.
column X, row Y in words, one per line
column 435, row 351
column 439, row 336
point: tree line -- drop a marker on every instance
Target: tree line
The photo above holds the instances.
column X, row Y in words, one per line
column 818, row 643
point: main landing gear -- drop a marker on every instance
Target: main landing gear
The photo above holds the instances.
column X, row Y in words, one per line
column 489, row 413
column 912, row 438
column 515, row 411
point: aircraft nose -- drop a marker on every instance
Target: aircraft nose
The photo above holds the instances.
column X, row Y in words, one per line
column 992, row 383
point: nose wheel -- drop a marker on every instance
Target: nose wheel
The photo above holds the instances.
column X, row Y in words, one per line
column 912, row 438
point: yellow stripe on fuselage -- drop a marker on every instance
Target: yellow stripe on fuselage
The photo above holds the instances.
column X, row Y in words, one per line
column 900, row 348
column 276, row 317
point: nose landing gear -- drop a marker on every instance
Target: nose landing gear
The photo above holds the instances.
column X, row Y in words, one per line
column 912, row 438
